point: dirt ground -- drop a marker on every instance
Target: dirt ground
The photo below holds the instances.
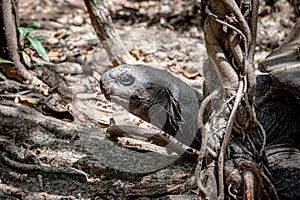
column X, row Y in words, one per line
column 163, row 34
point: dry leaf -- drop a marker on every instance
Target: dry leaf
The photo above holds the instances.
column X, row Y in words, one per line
column 26, row 101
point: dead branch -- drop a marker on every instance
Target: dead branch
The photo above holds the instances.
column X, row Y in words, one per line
column 144, row 135
column 107, row 34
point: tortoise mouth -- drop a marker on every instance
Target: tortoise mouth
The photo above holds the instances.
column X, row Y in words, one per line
column 107, row 96
column 105, row 91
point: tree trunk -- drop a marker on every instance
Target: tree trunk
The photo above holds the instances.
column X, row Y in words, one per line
column 9, row 44
column 230, row 34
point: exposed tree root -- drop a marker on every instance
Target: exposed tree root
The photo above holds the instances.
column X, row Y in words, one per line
column 44, row 168
column 13, row 193
column 230, row 47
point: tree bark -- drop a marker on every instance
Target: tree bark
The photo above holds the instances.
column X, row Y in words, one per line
column 107, row 34
column 9, row 45
column 230, row 34
column 9, row 39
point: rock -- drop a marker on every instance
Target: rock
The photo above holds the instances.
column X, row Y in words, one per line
column 78, row 20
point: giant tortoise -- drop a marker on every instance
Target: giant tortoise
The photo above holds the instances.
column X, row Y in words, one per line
column 166, row 101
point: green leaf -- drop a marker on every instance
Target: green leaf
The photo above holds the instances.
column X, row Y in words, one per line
column 6, row 61
column 92, row 3
column 35, row 26
column 2, row 76
column 40, row 37
column 38, row 64
column 37, row 45
column 24, row 31
column 26, row 58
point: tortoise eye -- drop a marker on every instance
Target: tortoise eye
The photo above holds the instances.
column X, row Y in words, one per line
column 127, row 80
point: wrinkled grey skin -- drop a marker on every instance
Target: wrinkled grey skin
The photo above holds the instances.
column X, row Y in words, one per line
column 158, row 97
column 278, row 110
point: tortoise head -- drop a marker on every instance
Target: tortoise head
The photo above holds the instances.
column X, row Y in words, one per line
column 143, row 91
column 155, row 96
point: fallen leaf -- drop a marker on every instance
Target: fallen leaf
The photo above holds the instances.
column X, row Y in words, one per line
column 26, row 101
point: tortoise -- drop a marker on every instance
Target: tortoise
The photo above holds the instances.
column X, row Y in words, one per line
column 158, row 97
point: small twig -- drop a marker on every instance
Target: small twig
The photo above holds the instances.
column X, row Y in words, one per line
column 212, row 153
column 226, row 138
column 252, row 117
column 234, row 44
column 201, row 126
column 253, row 29
column 204, row 135
column 249, row 183
column 270, row 183
column 145, row 135
column 264, row 142
column 199, row 180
